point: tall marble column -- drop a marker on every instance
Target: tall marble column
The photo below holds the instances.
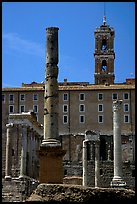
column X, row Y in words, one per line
column 117, row 180
column 51, row 152
column 8, row 152
column 23, row 151
column 51, row 89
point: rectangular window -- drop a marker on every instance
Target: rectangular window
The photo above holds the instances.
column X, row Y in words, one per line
column 3, row 98
column 100, row 96
column 65, row 97
column 22, row 97
column 82, row 119
column 22, row 108
column 65, row 119
column 126, row 96
column 35, row 97
column 11, row 98
column 11, row 108
column 81, row 96
column 100, row 107
column 126, row 118
column 81, row 108
column 35, row 108
column 114, row 96
column 100, row 118
column 126, row 107
column 65, row 108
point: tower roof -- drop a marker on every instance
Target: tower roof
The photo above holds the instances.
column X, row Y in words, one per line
column 104, row 27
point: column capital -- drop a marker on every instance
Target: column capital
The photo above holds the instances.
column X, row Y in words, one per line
column 117, row 105
column 9, row 125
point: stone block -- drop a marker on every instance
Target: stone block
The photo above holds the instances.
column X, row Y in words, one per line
column 51, row 165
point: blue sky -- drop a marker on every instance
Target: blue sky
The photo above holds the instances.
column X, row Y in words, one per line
column 24, row 39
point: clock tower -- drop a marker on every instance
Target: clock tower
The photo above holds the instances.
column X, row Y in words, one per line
column 104, row 54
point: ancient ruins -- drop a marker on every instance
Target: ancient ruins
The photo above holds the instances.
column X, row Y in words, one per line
column 39, row 154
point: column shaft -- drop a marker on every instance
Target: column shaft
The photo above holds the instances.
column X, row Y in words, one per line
column 8, row 152
column 117, row 145
column 51, row 89
column 97, row 173
column 117, row 179
column 84, row 163
column 23, row 152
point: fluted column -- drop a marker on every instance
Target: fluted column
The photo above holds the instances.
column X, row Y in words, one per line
column 117, row 179
column 84, row 163
column 8, row 152
column 23, row 152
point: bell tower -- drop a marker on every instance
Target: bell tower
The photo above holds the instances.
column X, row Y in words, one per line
column 104, row 54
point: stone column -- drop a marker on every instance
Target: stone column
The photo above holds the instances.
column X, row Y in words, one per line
column 36, row 156
column 84, row 163
column 30, row 151
column 97, row 172
column 23, row 152
column 33, row 153
column 51, row 153
column 51, row 88
column 8, row 152
column 117, row 180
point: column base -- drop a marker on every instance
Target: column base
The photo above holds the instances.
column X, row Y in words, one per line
column 22, row 177
column 118, row 183
column 51, row 163
column 50, row 143
column 8, row 178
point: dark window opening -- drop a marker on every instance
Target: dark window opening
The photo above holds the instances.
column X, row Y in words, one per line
column 101, row 171
column 88, row 151
column 104, row 65
column 82, row 97
column 12, row 152
column 65, row 172
column 103, row 155
column 104, row 45
column 133, row 173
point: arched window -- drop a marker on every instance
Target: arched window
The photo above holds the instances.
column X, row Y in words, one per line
column 104, row 65
column 104, row 45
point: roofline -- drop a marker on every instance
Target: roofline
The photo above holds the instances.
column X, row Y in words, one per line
column 73, row 87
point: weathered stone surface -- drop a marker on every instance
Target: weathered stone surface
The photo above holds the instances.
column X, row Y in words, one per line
column 59, row 193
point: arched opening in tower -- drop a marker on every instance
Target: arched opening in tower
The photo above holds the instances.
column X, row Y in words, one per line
column 104, row 45
column 104, row 65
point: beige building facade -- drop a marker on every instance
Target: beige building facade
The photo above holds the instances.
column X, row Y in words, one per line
column 82, row 106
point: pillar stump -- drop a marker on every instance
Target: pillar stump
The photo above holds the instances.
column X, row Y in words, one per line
column 51, row 164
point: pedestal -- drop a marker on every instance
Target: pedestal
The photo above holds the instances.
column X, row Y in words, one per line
column 51, row 164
